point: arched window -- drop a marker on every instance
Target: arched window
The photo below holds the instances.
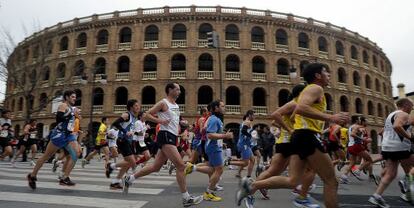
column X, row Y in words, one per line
column 368, row 83
column 257, row 34
column 46, row 73
column 33, row 76
column 303, row 40
column 64, row 43
column 322, row 44
column 20, row 104
column 203, row 30
column 17, row 130
column 205, row 95
column 387, row 111
column 103, row 37
column 384, row 88
column 374, row 61
column 365, row 57
column 121, row 94
column 100, row 66
column 125, row 35
column 82, row 40
column 302, row 66
column 98, row 96
column 371, row 108
column 178, row 62
column 49, row 47
column 43, row 99
column 232, row 63
column 179, row 32
column 60, row 73
column 150, row 63
column 354, row 52
column 13, row 105
column 282, row 67
column 283, row 97
column 281, row 37
column 148, row 95
column 359, row 106
column 356, row 78
column 258, row 65
column 377, row 85
column 344, row 104
column 259, row 97
column 23, row 79
column 181, row 98
column 339, row 48
column 78, row 101
column 123, row 64
column 151, row 33
column 341, row 75
column 205, row 62
column 232, row 96
column 379, row 109
column 79, row 68
column 328, row 98
column 232, row 32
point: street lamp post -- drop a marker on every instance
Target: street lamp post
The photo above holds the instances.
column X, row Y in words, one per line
column 213, row 42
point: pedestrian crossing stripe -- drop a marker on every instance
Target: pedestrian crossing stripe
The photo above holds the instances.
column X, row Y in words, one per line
column 69, row 200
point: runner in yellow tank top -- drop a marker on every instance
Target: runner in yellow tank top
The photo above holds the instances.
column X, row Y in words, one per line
column 308, row 149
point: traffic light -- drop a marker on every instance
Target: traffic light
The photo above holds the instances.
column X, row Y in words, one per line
column 212, row 39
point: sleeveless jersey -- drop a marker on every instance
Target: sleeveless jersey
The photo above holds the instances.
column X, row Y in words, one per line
column 391, row 141
column 172, row 114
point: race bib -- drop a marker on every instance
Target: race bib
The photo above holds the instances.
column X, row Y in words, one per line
column 4, row 133
column 142, row 143
column 32, row 136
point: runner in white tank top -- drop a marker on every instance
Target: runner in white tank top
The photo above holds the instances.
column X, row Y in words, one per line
column 168, row 117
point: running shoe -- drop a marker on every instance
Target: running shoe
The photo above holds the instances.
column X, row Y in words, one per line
column 340, row 165
column 193, row 200
column 115, row 186
column 171, row 169
column 382, row 163
column 296, row 192
column 125, row 184
column 249, row 202
column 211, row 197
column 403, row 186
column 357, row 174
column 32, row 181
column 32, row 163
column 55, row 165
column 304, row 203
column 380, row 202
column 188, row 168
column 405, row 197
column 344, row 180
column 66, row 182
column 227, row 161
column 376, row 179
column 411, row 188
column 264, row 193
column 244, row 190
column 219, row 188
column 259, row 170
column 83, row 163
column 108, row 170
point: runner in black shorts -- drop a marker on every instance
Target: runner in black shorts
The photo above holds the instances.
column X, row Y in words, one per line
column 5, row 135
column 29, row 140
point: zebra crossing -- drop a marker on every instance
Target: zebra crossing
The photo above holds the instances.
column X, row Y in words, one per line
column 91, row 189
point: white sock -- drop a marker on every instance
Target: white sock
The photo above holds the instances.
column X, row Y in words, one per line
column 113, row 165
column 186, row 195
column 131, row 178
column 115, row 181
column 194, row 167
column 209, row 190
column 377, row 196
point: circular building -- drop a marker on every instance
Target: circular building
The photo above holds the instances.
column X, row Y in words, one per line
column 110, row 58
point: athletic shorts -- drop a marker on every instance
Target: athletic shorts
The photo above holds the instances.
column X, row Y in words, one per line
column 28, row 143
column 356, row 149
column 184, row 145
column 245, row 152
column 72, row 138
column 333, row 146
column 111, row 143
column 254, row 148
column 305, row 142
column 285, row 149
column 125, row 147
column 215, row 158
column 59, row 139
column 4, row 142
column 196, row 145
column 139, row 147
column 166, row 137
column 396, row 156
column 99, row 147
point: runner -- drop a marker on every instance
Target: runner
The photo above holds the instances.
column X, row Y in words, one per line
column 307, row 148
column 396, row 146
column 100, row 144
column 334, row 145
column 29, row 141
column 112, row 138
column 168, row 117
column 6, row 133
column 142, row 153
column 60, row 137
column 214, row 150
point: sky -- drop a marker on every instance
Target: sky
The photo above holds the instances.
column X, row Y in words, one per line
column 386, row 22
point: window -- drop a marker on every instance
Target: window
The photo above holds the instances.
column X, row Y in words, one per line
column 232, row 96
column 232, row 63
column 365, row 57
column 61, row 70
column 258, row 65
column 78, row 101
column 179, row 32
column 302, row 66
column 205, row 62
column 148, row 95
column 339, row 48
column 354, row 52
column 121, row 96
column 371, row 108
column 178, row 62
column 150, row 63
column 151, row 33
column 356, row 79
column 79, row 68
column 303, row 40
column 64, row 43
column 181, row 98
column 46, row 73
column 282, row 67
column 341, row 75
column 205, row 95
column 322, row 44
column 259, row 97
column 203, row 30
column 98, row 96
column 359, row 106
column 82, row 40
column 100, row 66
column 49, row 47
column 232, row 32
column 281, row 37
column 328, row 98
column 283, row 97
column 123, row 64
column 368, row 83
column 374, row 61
column 103, row 37
column 125, row 35
column 257, row 34
column 344, row 104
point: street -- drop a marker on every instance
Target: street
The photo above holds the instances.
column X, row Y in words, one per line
column 155, row 190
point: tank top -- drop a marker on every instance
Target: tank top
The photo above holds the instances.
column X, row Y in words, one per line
column 391, row 141
column 354, row 140
column 127, row 125
column 172, row 114
column 344, row 136
column 302, row 122
column 332, row 135
column 33, row 132
column 69, row 121
column 284, row 136
column 243, row 139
